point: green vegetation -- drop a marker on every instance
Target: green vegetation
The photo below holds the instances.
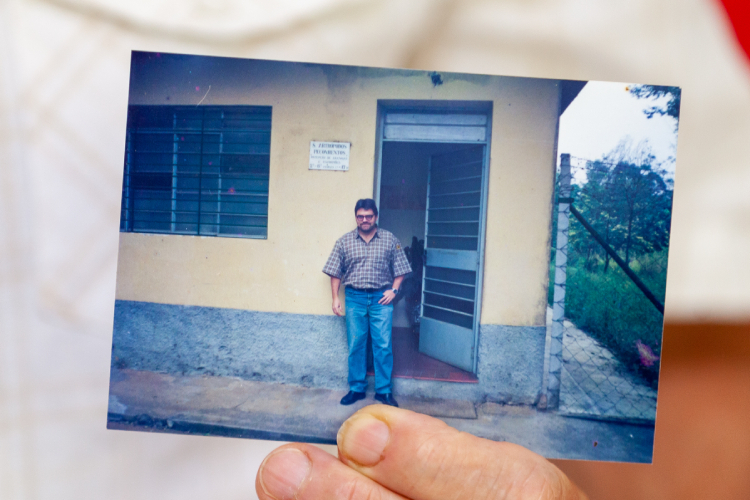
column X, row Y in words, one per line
column 612, row 310
column 628, row 201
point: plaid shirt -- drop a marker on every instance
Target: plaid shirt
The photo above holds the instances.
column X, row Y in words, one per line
column 367, row 265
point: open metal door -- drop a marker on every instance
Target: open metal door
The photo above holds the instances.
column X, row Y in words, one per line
column 453, row 239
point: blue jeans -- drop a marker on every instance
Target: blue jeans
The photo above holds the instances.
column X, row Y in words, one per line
column 363, row 314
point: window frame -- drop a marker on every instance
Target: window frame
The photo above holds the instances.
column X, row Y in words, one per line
column 195, row 192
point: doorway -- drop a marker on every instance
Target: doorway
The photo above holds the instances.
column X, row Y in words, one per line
column 431, row 191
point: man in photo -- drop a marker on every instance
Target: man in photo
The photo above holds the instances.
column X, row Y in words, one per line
column 371, row 264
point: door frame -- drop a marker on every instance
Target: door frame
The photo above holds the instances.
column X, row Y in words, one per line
column 446, row 106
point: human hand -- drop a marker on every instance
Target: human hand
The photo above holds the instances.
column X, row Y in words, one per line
column 387, row 453
column 387, row 297
column 337, row 309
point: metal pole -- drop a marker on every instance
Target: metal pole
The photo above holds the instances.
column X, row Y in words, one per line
column 623, row 265
column 561, row 272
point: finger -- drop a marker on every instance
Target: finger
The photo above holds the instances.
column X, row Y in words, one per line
column 423, row 458
column 304, row 472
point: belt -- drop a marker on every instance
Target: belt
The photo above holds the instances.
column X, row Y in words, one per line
column 370, row 290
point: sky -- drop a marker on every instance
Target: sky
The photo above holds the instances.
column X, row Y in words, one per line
column 605, row 113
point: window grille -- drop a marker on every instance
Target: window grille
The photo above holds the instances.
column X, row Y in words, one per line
column 197, row 170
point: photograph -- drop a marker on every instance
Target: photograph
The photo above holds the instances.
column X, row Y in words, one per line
column 300, row 240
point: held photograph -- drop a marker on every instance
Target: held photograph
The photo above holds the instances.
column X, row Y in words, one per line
column 300, row 240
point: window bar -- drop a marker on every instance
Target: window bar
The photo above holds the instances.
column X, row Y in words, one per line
column 127, row 193
column 451, row 282
column 458, row 179
column 200, row 170
column 175, row 144
column 456, row 193
column 426, row 243
column 470, row 315
column 453, row 208
column 454, row 221
column 450, row 296
column 218, row 196
column 452, row 235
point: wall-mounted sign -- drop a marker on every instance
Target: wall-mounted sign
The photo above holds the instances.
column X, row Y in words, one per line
column 329, row 155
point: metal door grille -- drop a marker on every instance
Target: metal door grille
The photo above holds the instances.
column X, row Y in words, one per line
column 453, row 223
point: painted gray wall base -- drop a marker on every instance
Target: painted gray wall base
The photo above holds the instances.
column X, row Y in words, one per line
column 511, row 363
column 301, row 349
column 304, row 349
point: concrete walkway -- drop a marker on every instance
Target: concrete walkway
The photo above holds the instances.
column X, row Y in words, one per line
column 595, row 384
column 224, row 406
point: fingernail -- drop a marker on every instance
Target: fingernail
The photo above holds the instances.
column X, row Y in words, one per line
column 283, row 472
column 363, row 439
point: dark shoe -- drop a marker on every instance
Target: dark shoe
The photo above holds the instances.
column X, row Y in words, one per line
column 352, row 397
column 386, row 399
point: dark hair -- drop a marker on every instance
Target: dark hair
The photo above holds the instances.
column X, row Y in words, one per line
column 366, row 204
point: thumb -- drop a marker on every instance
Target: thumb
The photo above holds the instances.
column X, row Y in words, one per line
column 423, row 458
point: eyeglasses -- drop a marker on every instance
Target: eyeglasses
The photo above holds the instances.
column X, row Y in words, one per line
column 365, row 217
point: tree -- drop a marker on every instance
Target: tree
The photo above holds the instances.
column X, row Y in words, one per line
column 672, row 107
column 628, row 200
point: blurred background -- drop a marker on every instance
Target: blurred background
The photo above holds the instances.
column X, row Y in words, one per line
column 64, row 68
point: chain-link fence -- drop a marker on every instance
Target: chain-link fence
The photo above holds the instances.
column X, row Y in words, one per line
column 607, row 283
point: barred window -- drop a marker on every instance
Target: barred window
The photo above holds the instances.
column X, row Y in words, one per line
column 197, row 170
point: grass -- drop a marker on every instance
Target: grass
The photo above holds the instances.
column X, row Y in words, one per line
column 609, row 307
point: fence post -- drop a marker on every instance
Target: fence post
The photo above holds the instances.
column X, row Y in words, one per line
column 561, row 272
